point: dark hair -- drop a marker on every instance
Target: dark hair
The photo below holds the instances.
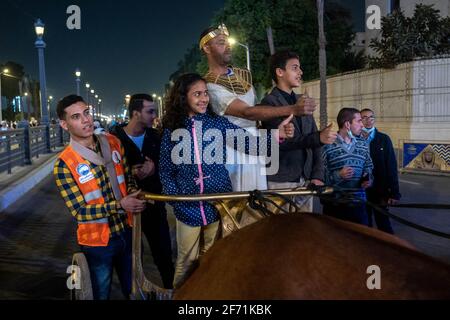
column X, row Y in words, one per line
column 279, row 60
column 177, row 108
column 366, row 110
column 346, row 114
column 65, row 103
column 137, row 102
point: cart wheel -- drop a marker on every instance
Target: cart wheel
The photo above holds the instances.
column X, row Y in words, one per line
column 83, row 289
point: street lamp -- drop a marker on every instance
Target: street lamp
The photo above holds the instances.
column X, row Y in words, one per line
column 160, row 106
column 127, row 103
column 40, row 45
column 4, row 71
column 87, row 92
column 78, row 75
column 233, row 41
column 100, row 107
column 49, row 102
column 93, row 102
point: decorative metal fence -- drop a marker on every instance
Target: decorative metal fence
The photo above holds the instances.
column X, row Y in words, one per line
column 19, row 146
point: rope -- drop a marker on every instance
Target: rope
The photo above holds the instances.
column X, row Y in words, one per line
column 258, row 201
column 422, row 206
column 347, row 197
column 409, row 223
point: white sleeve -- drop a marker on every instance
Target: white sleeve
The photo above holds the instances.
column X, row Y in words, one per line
column 220, row 98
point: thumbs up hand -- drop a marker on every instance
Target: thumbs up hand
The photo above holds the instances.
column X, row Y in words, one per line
column 286, row 128
column 305, row 106
column 327, row 136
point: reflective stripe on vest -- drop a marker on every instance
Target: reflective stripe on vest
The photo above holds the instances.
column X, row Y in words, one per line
column 94, row 195
column 102, row 220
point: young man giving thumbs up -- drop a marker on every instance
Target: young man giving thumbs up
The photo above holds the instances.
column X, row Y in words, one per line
column 301, row 156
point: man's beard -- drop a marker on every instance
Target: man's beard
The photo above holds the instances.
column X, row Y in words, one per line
column 223, row 59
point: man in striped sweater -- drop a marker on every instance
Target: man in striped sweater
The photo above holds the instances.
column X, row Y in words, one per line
column 348, row 165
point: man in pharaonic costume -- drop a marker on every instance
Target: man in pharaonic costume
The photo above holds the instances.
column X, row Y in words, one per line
column 232, row 94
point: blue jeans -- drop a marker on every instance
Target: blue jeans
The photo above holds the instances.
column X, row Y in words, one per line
column 102, row 260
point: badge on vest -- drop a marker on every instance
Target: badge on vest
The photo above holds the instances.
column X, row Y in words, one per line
column 116, row 157
column 85, row 173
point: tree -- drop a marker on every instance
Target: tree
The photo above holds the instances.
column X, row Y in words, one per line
column 294, row 26
column 425, row 34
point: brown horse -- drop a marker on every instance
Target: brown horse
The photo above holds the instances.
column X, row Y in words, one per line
column 307, row 256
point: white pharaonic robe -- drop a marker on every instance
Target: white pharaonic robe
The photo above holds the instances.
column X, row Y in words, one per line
column 244, row 177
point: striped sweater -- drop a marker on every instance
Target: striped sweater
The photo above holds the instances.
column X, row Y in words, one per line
column 339, row 155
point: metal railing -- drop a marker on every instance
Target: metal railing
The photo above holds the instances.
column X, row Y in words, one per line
column 19, row 146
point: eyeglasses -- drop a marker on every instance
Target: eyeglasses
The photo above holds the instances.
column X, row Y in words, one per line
column 367, row 118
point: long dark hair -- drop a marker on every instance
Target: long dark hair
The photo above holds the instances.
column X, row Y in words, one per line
column 176, row 103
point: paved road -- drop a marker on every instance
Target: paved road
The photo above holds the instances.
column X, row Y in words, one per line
column 37, row 237
column 37, row 240
column 425, row 189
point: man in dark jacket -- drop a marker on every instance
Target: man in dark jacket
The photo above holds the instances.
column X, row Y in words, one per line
column 385, row 189
column 142, row 147
column 300, row 158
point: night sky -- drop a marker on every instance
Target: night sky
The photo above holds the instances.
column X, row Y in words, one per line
column 123, row 47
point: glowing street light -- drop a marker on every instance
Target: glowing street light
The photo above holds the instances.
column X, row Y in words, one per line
column 77, row 79
column 233, row 41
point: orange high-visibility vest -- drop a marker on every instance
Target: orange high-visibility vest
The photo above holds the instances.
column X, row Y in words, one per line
column 94, row 233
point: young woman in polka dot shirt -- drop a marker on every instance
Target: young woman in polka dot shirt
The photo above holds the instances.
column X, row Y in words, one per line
column 185, row 170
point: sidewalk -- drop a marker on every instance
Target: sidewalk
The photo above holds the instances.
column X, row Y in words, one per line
column 23, row 178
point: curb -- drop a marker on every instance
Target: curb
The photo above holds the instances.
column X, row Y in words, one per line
column 17, row 189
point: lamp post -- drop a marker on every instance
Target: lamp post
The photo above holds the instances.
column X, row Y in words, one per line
column 96, row 104
column 100, row 108
column 40, row 45
column 4, row 71
column 233, row 41
column 127, row 103
column 160, row 110
column 87, row 93
column 25, row 104
column 93, row 102
column 49, row 102
column 77, row 79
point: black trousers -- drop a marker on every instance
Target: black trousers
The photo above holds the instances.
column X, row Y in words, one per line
column 383, row 222
column 356, row 214
column 156, row 230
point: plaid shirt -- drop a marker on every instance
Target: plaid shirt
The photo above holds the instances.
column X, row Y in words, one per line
column 75, row 201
